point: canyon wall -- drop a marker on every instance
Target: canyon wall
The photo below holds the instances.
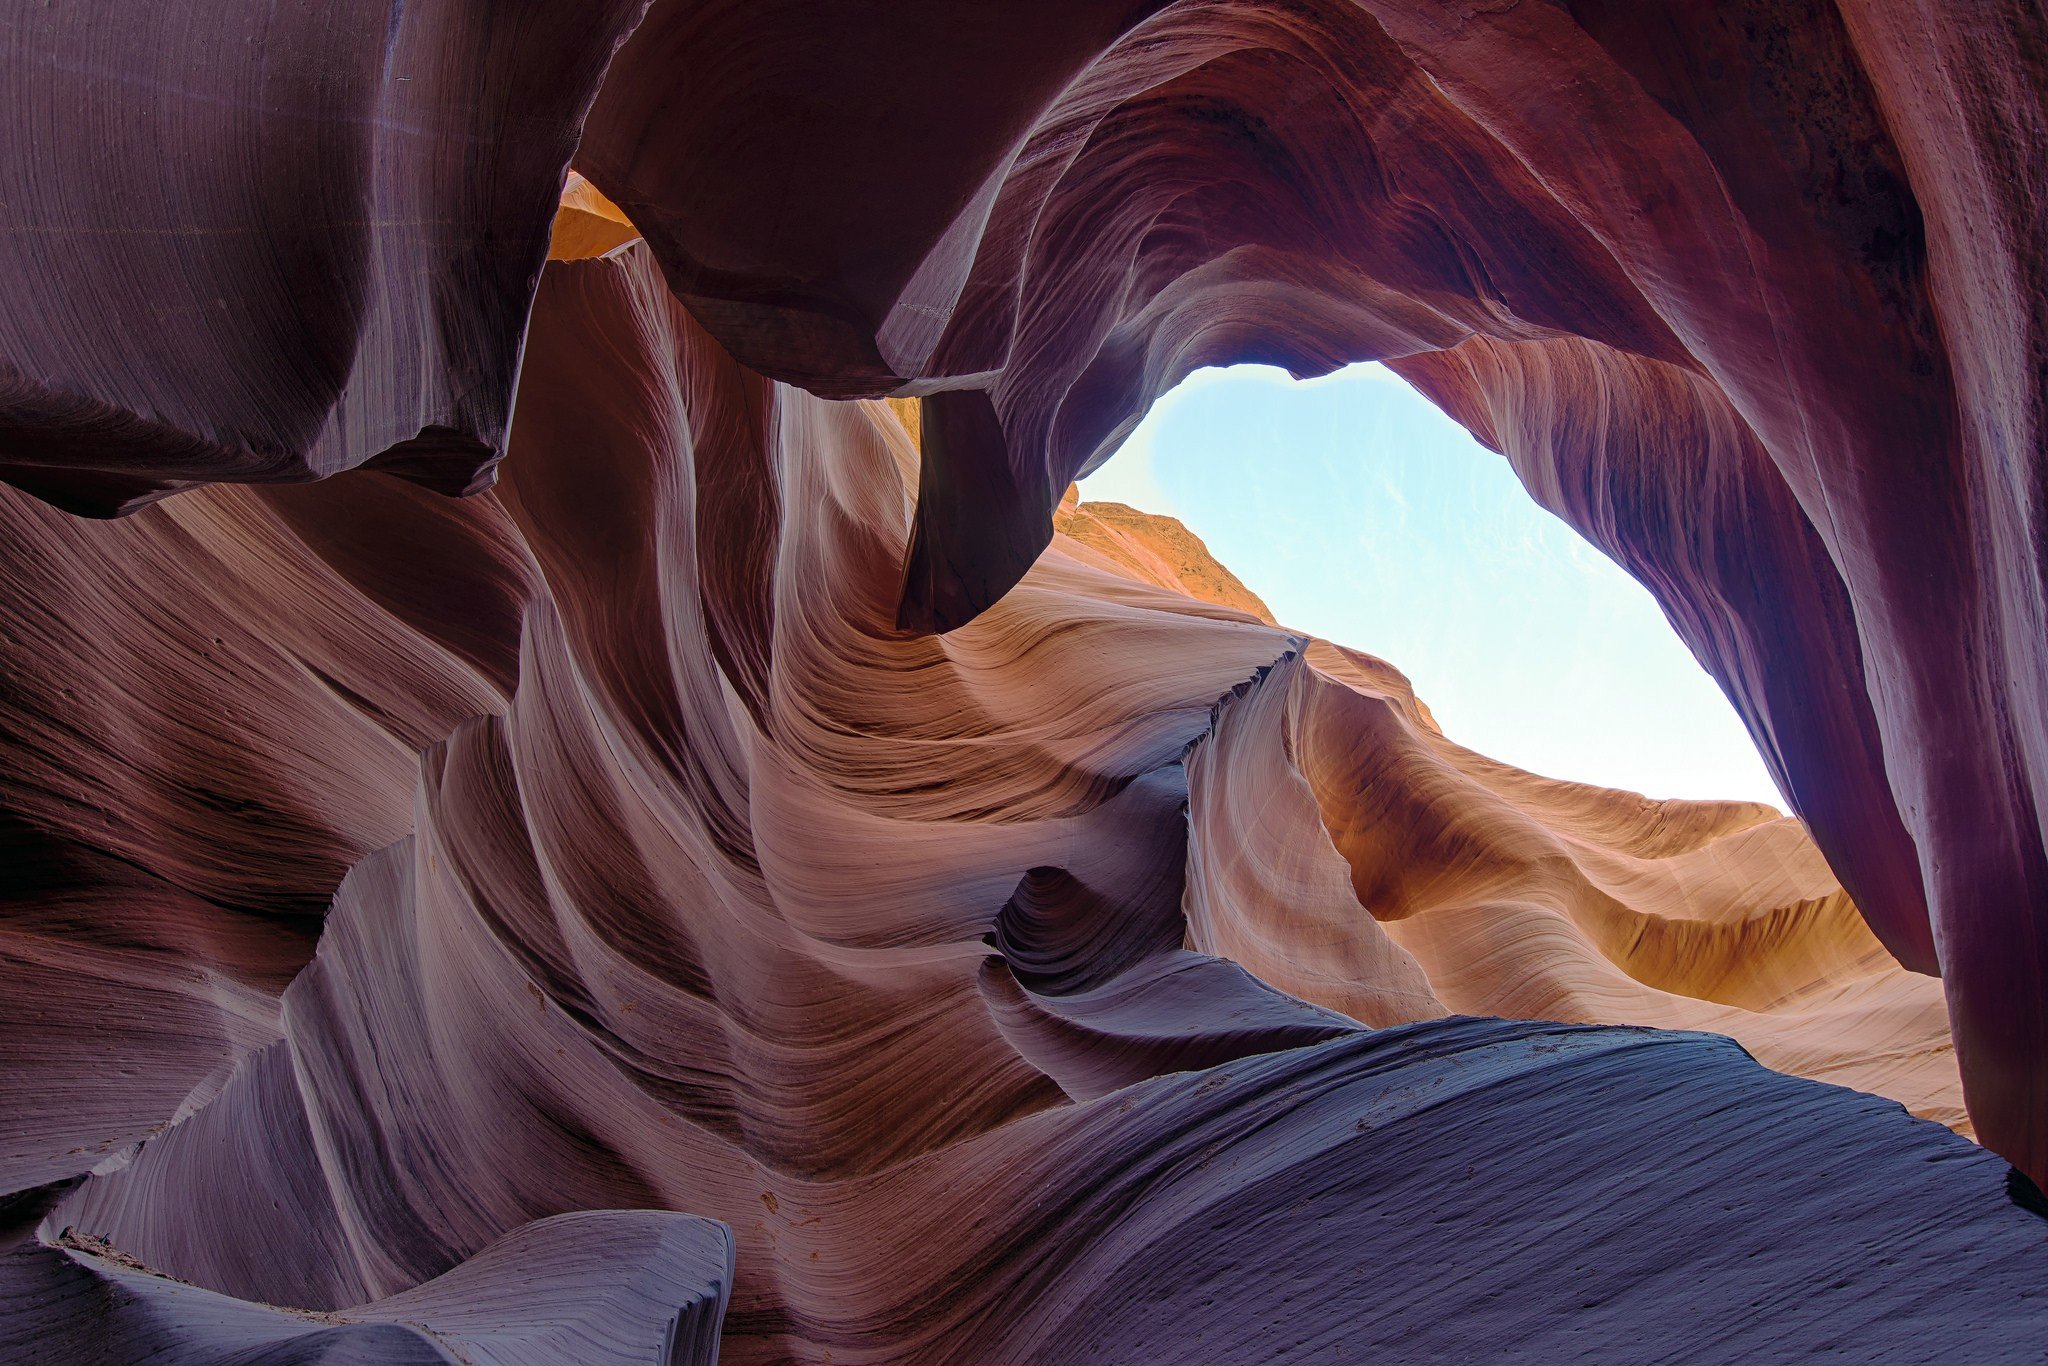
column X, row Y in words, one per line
column 1751, row 293
column 968, row 982
column 757, row 876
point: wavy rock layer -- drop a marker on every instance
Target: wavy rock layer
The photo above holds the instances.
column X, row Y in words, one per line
column 1346, row 851
column 1750, row 292
column 265, row 244
column 605, row 1285
column 698, row 886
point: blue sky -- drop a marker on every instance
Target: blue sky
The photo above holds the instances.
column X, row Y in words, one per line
column 1363, row 515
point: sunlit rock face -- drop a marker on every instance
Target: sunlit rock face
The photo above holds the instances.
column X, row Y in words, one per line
column 595, row 920
column 1154, row 549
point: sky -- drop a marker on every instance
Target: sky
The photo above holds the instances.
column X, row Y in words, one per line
column 1363, row 515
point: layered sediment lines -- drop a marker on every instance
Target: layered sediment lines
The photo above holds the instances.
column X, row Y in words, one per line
column 1750, row 293
column 265, row 245
column 607, row 1285
column 1348, row 852
column 907, row 959
column 747, row 882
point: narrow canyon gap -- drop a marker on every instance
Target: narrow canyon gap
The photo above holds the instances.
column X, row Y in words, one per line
column 1360, row 513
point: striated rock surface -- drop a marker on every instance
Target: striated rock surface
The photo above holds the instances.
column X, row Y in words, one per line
column 907, row 959
column 263, row 244
column 603, row 1285
column 598, row 918
column 1751, row 293
column 1432, row 879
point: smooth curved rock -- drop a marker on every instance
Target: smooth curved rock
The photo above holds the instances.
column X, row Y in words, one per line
column 1822, row 218
column 269, row 243
column 212, row 711
column 270, row 246
column 600, row 1286
column 1433, row 878
column 729, row 897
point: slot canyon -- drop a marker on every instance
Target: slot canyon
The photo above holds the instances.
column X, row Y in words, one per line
column 576, row 784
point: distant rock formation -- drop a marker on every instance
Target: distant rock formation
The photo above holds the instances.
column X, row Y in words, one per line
column 1154, row 549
